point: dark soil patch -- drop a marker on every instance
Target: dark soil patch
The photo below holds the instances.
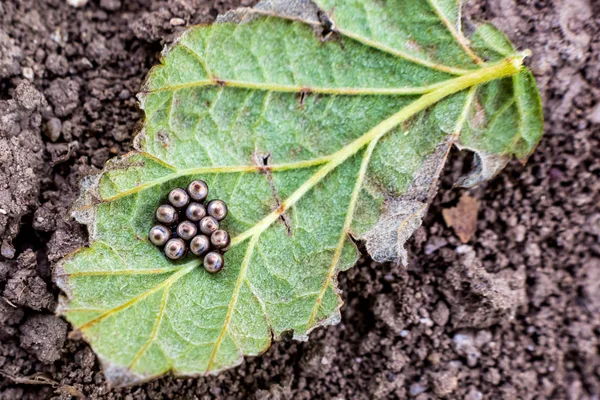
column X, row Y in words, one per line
column 513, row 314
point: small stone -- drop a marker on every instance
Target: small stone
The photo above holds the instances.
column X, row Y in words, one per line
column 434, row 244
column 53, row 129
column 434, row 358
column 77, row 3
column 28, row 73
column 483, row 337
column 520, row 232
column 465, row 345
column 416, row 389
column 441, row 313
column 124, row 94
column 177, row 22
column 474, row 394
column 7, row 250
column 594, row 116
column 110, row 5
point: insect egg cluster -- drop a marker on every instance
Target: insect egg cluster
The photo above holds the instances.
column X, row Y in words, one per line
column 189, row 223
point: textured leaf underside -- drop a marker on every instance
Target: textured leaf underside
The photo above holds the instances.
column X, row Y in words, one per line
column 314, row 122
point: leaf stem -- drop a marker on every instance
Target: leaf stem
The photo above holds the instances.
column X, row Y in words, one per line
column 507, row 67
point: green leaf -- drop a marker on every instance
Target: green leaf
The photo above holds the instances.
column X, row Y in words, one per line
column 314, row 122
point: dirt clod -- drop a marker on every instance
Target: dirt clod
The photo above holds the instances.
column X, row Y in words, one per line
column 478, row 298
column 25, row 287
column 444, row 383
column 11, row 56
column 63, row 94
column 21, row 160
column 44, row 336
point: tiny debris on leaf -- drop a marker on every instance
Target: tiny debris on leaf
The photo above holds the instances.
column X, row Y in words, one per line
column 463, row 218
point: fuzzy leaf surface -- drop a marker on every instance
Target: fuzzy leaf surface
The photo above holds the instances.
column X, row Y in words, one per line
column 315, row 122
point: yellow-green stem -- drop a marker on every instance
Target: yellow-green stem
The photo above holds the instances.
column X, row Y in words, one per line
column 504, row 68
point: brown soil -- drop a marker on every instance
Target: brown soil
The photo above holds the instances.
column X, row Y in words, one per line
column 515, row 313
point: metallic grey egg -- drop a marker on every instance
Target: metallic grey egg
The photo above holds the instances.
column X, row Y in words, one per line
column 198, row 190
column 217, row 209
column 208, row 225
column 159, row 235
column 166, row 214
column 186, row 230
column 195, row 211
column 175, row 249
column 179, row 198
column 220, row 239
column 199, row 245
column 213, row 262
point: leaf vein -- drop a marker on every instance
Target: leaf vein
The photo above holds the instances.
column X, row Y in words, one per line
column 458, row 36
column 169, row 281
column 234, row 297
column 346, row 227
column 153, row 334
column 201, row 60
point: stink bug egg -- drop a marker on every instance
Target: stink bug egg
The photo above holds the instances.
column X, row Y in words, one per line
column 208, row 225
column 159, row 235
column 199, row 245
column 195, row 211
column 219, row 239
column 175, row 249
column 166, row 214
column 186, row 230
column 198, row 190
column 179, row 198
column 213, row 262
column 217, row 209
